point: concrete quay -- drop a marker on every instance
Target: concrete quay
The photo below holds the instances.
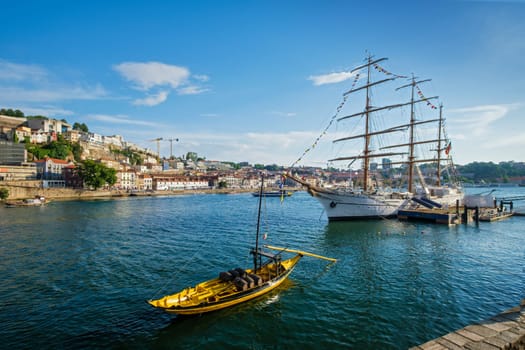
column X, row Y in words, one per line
column 503, row 331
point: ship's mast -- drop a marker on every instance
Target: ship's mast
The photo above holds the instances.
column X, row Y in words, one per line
column 366, row 160
column 438, row 182
column 411, row 142
column 368, row 134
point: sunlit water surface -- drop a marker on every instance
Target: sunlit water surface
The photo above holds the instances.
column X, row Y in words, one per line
column 76, row 274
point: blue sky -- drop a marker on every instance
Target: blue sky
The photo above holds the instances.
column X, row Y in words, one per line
column 258, row 81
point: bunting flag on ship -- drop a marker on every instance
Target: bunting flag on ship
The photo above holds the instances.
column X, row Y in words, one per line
column 345, row 97
column 424, row 98
column 384, row 71
column 447, row 149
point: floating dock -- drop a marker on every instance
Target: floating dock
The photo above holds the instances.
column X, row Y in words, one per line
column 495, row 217
column 504, row 331
column 439, row 216
column 454, row 216
column 474, row 209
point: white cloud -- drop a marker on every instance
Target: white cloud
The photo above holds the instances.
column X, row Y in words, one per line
column 479, row 118
column 150, row 74
column 120, row 119
column 23, row 83
column 152, row 100
column 284, row 114
column 331, row 78
column 48, row 111
column 22, row 94
column 191, row 90
column 201, row 77
column 510, row 141
column 20, row 72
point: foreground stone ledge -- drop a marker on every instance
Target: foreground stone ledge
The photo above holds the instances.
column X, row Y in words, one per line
column 504, row 331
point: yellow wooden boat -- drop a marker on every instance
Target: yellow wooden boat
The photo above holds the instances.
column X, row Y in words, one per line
column 237, row 285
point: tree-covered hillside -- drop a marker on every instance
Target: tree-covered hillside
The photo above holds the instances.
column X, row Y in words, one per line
column 477, row 172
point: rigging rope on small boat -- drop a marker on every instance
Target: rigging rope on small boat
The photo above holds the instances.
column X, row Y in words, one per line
column 170, row 280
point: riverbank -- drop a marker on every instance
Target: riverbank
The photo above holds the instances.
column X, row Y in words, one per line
column 31, row 189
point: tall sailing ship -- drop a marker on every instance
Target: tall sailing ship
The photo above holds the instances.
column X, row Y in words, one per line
column 370, row 199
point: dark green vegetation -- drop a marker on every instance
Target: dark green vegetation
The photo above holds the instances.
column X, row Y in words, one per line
column 12, row 113
column 4, row 193
column 80, row 127
column 135, row 158
column 19, row 114
column 96, row 175
column 479, row 172
column 60, row 149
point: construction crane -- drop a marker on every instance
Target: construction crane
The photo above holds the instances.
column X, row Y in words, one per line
column 171, row 146
column 158, row 139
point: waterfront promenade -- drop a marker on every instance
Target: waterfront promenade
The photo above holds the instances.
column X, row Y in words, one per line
column 503, row 331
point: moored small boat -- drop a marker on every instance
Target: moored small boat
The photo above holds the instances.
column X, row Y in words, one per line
column 277, row 193
column 28, row 202
column 237, row 285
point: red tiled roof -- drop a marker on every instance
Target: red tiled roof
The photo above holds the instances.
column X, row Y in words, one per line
column 54, row 160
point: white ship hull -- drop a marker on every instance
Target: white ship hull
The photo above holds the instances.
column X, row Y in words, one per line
column 340, row 206
column 352, row 206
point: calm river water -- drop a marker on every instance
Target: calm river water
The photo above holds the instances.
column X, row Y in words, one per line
column 76, row 274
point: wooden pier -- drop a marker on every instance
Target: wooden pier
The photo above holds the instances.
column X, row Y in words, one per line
column 504, row 331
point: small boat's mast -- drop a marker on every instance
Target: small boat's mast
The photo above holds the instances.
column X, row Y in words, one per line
column 438, row 182
column 256, row 252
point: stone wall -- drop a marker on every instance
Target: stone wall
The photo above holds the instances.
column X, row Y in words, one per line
column 30, row 189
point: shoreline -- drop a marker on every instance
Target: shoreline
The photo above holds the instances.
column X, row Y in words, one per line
column 23, row 191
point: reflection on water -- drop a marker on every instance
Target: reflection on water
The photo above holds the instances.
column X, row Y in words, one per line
column 77, row 274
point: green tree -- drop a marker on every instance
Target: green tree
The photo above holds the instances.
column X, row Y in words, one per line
column 192, row 156
column 58, row 150
column 133, row 157
column 96, row 175
column 80, row 127
column 12, row 113
column 273, row 167
column 77, row 151
column 4, row 193
column 37, row 151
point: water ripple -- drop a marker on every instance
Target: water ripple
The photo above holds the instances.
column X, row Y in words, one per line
column 77, row 274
